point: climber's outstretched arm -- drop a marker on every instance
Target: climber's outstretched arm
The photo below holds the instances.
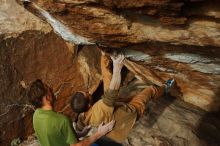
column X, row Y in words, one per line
column 116, row 77
column 111, row 94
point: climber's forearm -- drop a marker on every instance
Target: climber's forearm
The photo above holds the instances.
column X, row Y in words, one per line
column 116, row 78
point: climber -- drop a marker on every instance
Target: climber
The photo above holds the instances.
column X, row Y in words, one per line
column 52, row 128
column 106, row 109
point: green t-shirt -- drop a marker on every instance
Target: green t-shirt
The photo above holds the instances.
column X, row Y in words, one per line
column 53, row 129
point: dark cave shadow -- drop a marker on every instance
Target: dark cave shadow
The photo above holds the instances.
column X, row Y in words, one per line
column 105, row 141
column 208, row 128
column 156, row 108
column 98, row 93
column 100, row 89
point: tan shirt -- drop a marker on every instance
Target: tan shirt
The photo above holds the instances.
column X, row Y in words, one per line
column 104, row 111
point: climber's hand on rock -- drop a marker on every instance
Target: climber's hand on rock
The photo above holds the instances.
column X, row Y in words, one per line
column 118, row 61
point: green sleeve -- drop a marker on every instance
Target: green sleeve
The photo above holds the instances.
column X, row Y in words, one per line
column 68, row 132
column 109, row 97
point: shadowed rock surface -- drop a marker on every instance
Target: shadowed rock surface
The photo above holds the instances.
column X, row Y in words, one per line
column 171, row 122
column 161, row 39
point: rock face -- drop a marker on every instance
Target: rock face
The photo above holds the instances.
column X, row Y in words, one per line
column 30, row 52
column 161, row 39
column 133, row 25
column 170, row 122
column 186, row 50
column 14, row 19
column 123, row 23
column 33, row 55
column 195, row 69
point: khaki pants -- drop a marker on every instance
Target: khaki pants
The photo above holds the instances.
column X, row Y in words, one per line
column 139, row 101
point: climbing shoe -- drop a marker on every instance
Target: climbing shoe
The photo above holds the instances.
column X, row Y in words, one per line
column 168, row 85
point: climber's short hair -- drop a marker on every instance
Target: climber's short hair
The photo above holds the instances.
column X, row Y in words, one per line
column 80, row 102
column 36, row 92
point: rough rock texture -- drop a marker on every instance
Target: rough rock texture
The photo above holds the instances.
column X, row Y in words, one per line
column 170, row 122
column 120, row 23
column 14, row 19
column 195, row 69
column 33, row 55
column 28, row 50
column 179, row 39
column 193, row 60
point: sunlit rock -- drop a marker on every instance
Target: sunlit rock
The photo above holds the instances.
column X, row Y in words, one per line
column 57, row 41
